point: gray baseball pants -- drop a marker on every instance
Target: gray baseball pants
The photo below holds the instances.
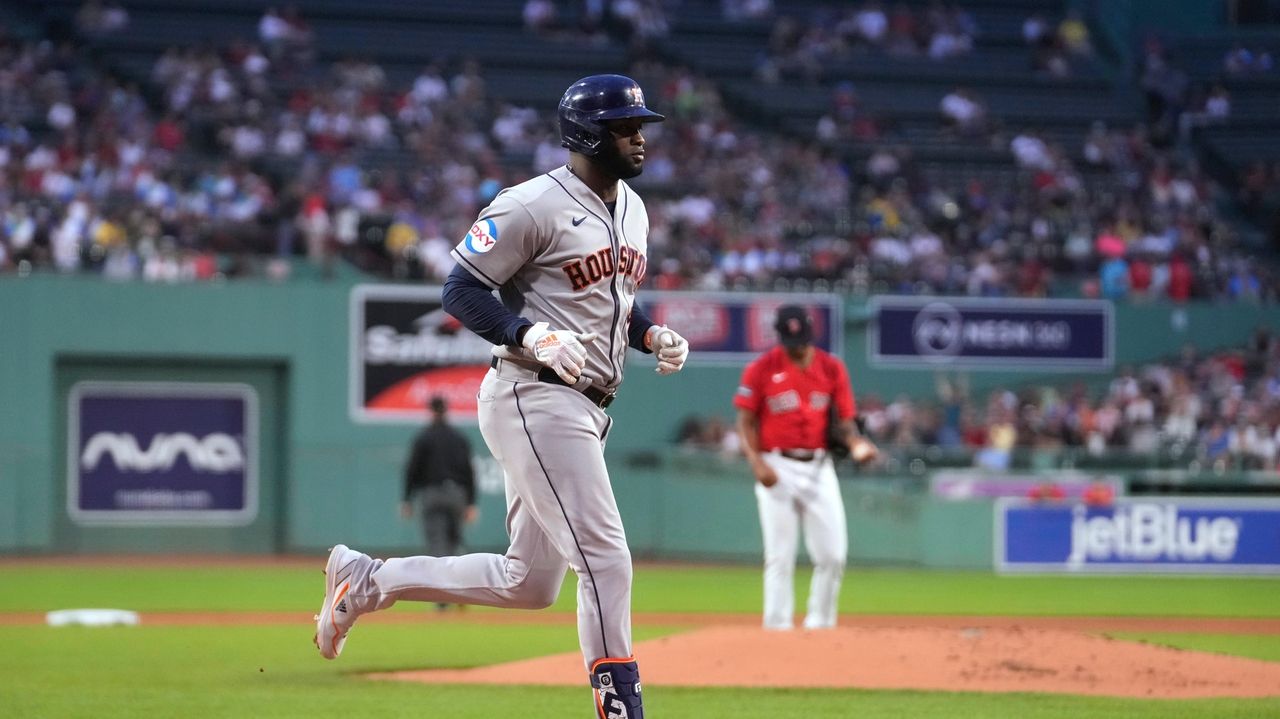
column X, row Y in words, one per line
column 561, row 514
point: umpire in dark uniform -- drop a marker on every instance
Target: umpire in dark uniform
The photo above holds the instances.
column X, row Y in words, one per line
column 439, row 475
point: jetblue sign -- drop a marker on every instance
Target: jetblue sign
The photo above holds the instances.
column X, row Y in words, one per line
column 162, row 453
column 1168, row 534
column 1002, row 334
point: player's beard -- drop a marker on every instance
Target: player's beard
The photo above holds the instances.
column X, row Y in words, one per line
column 611, row 160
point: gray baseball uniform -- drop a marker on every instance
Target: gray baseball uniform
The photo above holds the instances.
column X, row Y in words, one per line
column 557, row 255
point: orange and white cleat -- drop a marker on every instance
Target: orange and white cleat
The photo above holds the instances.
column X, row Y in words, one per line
column 339, row 611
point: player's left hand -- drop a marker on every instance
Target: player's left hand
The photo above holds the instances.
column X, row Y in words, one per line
column 560, row 350
column 670, row 348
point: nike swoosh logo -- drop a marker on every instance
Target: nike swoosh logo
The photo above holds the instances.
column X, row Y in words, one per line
column 579, row 220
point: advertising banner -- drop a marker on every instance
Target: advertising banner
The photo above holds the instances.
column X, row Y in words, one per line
column 162, row 453
column 958, row 485
column 735, row 327
column 405, row 349
column 1165, row 534
column 1006, row 334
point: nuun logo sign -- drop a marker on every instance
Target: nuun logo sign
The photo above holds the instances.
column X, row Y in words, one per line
column 1146, row 532
column 216, row 452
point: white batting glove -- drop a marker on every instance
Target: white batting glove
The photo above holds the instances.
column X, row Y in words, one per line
column 670, row 348
column 561, row 350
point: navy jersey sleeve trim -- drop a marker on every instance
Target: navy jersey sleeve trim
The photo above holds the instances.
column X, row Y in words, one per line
column 472, row 303
column 474, row 271
column 637, row 327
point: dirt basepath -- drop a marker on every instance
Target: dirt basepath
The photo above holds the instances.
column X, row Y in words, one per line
column 1067, row 655
column 1201, row 625
column 925, row 658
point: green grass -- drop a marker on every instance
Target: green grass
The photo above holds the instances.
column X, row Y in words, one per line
column 677, row 589
column 1255, row 646
column 273, row 672
column 242, row 672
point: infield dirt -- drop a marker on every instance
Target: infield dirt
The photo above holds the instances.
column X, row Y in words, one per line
column 978, row 658
column 1066, row 655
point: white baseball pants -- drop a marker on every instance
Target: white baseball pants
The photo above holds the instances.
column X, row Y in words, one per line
column 806, row 498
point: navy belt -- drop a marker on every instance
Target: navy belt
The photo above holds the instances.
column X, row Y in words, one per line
column 597, row 396
column 800, row 455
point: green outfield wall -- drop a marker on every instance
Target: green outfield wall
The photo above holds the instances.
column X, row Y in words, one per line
column 325, row 478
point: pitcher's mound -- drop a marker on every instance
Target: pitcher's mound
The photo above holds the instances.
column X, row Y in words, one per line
column 978, row 659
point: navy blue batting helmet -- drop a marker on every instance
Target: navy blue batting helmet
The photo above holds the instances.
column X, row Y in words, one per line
column 593, row 100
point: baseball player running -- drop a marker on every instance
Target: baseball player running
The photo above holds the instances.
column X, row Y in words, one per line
column 566, row 253
column 783, row 410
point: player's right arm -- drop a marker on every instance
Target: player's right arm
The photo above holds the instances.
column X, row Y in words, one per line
column 472, row 303
column 749, row 399
column 505, row 238
column 861, row 449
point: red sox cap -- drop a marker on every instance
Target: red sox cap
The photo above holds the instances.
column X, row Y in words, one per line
column 794, row 326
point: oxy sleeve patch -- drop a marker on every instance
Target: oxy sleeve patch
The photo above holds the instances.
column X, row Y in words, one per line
column 482, row 237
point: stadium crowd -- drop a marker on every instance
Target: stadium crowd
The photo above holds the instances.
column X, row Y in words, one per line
column 1221, row 410
column 806, row 47
column 257, row 152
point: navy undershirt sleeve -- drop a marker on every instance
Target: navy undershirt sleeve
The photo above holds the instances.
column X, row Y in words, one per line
column 636, row 329
column 473, row 304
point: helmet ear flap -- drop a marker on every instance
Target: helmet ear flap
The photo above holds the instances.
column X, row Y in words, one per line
column 578, row 135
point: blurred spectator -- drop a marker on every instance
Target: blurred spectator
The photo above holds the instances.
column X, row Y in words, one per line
column 953, row 32
column 1099, row 494
column 1114, row 278
column 1073, row 34
column 1002, row 435
column 963, row 112
column 846, row 120
column 1035, row 29
column 870, row 24
column 640, row 21
column 904, row 29
column 1052, row 50
column 540, row 16
column 1031, row 152
column 96, row 18
column 1047, row 492
column 1213, row 109
column 1242, row 61
column 1165, row 89
column 741, row 10
column 711, row 433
